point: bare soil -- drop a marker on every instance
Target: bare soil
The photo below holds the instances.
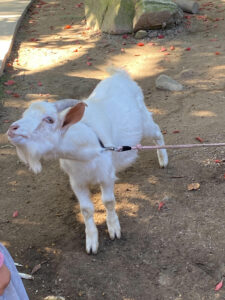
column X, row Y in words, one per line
column 177, row 252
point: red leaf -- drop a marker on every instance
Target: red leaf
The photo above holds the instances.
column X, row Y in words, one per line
column 79, row 5
column 67, row 27
column 89, row 63
column 176, row 131
column 166, row 53
column 219, row 285
column 8, row 92
column 217, row 53
column 39, row 83
column 9, row 82
column 151, row 44
column 217, row 161
column 140, row 44
column 161, row 204
column 163, row 49
column 33, row 40
column 188, row 49
column 15, row 95
column 15, row 214
column 76, row 50
column 172, row 48
column 199, row 139
column 161, row 36
column 125, row 36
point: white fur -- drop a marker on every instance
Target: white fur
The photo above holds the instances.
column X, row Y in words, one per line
column 116, row 115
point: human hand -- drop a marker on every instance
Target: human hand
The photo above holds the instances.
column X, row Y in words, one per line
column 5, row 277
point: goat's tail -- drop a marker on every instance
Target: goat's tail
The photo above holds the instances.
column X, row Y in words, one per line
column 111, row 70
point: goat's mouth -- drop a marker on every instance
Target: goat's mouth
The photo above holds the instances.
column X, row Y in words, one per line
column 13, row 135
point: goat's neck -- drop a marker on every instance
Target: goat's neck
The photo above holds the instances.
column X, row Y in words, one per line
column 79, row 143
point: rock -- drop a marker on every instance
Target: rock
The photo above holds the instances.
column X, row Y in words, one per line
column 153, row 14
column 141, row 34
column 110, row 16
column 165, row 82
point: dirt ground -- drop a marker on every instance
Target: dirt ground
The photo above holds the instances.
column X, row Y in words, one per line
column 177, row 252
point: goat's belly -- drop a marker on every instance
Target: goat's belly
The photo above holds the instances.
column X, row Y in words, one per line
column 91, row 172
column 122, row 160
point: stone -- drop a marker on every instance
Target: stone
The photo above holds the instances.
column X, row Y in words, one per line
column 141, row 34
column 153, row 14
column 110, row 16
column 165, row 82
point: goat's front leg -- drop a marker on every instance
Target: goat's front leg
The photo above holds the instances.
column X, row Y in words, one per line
column 112, row 219
column 87, row 210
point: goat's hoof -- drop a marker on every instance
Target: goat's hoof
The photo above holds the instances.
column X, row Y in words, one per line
column 92, row 245
column 163, row 158
column 114, row 231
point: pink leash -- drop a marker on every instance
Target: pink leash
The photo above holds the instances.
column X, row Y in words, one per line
column 140, row 147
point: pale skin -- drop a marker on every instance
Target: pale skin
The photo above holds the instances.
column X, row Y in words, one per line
column 5, row 277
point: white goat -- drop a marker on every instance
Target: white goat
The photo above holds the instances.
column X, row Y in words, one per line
column 76, row 132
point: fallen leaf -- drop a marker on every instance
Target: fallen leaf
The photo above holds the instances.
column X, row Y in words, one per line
column 140, row 44
column 161, row 36
column 39, row 83
column 67, row 27
column 125, row 36
column 8, row 92
column 89, row 63
column 35, row 269
column 163, row 49
column 166, row 53
column 217, row 53
column 193, row 186
column 176, row 131
column 217, row 161
column 219, row 285
column 76, row 50
column 172, row 48
column 161, row 204
column 33, row 40
column 9, row 82
column 199, row 139
column 151, row 44
column 188, row 49
column 16, row 95
column 15, row 214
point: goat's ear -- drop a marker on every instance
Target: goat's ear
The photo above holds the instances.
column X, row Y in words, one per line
column 75, row 114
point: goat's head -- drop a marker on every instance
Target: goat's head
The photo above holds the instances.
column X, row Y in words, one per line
column 37, row 134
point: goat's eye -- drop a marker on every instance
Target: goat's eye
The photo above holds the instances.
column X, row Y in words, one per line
column 49, row 120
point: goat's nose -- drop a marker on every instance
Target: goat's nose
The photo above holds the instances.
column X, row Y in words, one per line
column 14, row 127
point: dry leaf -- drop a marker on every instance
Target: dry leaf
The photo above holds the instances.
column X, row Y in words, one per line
column 193, row 186
column 36, row 268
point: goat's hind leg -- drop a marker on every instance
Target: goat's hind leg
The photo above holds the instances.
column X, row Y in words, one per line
column 153, row 131
column 109, row 202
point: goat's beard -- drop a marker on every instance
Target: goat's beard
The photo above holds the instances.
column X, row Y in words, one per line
column 30, row 157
